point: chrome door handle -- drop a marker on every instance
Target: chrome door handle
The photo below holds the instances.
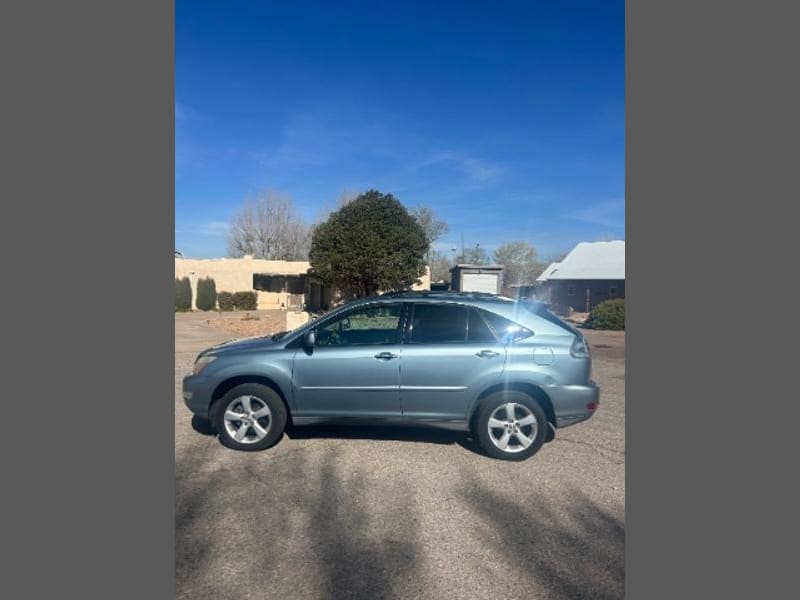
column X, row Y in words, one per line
column 385, row 356
column 487, row 354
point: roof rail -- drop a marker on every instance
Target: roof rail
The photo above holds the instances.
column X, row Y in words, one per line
column 445, row 293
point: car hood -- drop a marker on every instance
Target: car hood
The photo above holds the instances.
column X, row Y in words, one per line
column 242, row 344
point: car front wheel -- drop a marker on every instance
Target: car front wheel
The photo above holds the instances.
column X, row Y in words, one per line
column 250, row 416
column 511, row 426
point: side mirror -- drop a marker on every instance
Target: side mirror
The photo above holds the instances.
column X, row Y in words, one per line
column 310, row 339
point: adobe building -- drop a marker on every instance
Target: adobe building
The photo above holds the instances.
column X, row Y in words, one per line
column 279, row 284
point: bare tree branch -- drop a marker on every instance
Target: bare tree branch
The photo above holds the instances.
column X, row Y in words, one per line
column 521, row 263
column 433, row 228
column 268, row 226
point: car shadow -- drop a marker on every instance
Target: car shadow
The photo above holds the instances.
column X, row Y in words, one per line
column 423, row 435
column 204, row 426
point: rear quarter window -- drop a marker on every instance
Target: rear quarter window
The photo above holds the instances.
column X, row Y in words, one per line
column 505, row 329
column 551, row 318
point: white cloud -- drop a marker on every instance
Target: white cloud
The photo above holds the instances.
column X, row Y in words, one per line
column 609, row 213
column 211, row 228
column 477, row 169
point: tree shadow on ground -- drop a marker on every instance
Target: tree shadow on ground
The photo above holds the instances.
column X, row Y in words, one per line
column 258, row 527
column 363, row 553
column 577, row 551
column 235, row 514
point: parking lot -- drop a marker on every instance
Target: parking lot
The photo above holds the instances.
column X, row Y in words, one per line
column 396, row 513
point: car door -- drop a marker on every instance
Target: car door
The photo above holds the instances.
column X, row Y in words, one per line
column 449, row 355
column 354, row 368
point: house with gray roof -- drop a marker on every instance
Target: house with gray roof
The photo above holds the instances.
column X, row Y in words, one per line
column 592, row 273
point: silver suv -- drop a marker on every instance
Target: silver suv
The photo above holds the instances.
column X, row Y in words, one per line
column 511, row 372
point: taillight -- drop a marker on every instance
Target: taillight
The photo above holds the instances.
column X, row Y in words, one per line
column 579, row 348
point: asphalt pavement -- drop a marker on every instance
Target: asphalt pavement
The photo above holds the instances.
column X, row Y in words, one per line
column 365, row 512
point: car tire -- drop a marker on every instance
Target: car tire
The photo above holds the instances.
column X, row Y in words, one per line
column 521, row 435
column 261, row 417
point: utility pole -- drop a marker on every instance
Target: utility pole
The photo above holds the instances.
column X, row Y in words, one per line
column 462, row 247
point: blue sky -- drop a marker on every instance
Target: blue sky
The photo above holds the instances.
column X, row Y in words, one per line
column 506, row 117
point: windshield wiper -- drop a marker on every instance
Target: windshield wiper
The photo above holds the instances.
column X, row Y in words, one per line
column 276, row 336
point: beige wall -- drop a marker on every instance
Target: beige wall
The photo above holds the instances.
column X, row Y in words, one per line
column 425, row 281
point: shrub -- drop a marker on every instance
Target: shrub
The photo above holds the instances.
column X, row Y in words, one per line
column 183, row 295
column 245, row 300
column 607, row 315
column 206, row 294
column 225, row 301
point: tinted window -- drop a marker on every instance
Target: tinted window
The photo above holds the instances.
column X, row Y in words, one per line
column 438, row 324
column 504, row 329
column 377, row 324
column 478, row 330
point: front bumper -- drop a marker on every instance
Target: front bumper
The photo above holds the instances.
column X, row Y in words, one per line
column 573, row 403
column 197, row 391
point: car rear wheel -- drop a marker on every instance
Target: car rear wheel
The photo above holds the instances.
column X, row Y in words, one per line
column 250, row 416
column 511, row 426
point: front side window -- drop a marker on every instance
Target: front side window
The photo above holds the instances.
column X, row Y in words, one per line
column 378, row 324
column 438, row 324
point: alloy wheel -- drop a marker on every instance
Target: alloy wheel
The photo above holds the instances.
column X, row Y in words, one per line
column 512, row 427
column 247, row 419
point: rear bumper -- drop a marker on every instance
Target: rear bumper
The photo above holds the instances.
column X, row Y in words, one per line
column 573, row 403
column 197, row 392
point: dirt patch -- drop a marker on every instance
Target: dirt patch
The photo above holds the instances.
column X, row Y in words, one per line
column 577, row 318
column 249, row 323
column 606, row 344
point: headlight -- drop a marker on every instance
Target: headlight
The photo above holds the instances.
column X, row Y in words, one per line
column 201, row 363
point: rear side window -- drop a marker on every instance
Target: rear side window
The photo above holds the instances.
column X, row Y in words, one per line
column 505, row 329
column 478, row 330
column 438, row 324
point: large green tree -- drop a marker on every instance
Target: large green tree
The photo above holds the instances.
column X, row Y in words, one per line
column 371, row 243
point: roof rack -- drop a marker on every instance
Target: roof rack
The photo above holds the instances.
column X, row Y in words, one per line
column 443, row 293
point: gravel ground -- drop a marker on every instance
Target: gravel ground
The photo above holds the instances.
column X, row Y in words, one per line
column 241, row 324
column 400, row 513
